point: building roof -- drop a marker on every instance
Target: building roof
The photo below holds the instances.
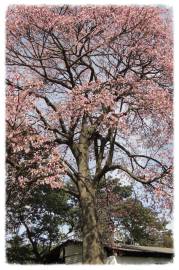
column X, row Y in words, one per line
column 134, row 250
column 124, row 247
column 147, row 249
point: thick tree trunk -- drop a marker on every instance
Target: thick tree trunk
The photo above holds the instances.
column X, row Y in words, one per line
column 92, row 245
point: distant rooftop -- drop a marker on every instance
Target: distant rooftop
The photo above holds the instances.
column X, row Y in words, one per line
column 147, row 249
column 129, row 248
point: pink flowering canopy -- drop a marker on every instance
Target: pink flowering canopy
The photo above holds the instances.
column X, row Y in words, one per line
column 103, row 70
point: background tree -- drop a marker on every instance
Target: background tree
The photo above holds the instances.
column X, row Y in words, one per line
column 125, row 219
column 167, row 240
column 35, row 223
column 94, row 85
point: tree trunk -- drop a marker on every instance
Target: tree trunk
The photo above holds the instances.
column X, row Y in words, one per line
column 92, row 245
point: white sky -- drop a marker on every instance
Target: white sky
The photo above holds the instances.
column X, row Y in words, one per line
column 4, row 4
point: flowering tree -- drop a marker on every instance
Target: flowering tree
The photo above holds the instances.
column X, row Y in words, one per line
column 89, row 94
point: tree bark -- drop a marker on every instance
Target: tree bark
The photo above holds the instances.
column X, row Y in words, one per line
column 92, row 245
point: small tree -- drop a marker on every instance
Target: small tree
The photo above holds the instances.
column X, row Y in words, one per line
column 90, row 88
